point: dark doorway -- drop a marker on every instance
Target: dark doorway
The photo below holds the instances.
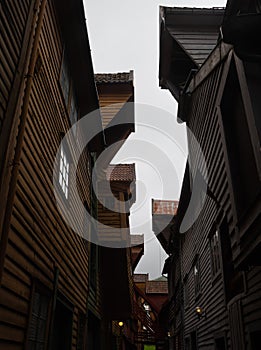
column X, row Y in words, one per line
column 255, row 340
column 94, row 332
column 194, row 342
column 220, row 343
column 62, row 330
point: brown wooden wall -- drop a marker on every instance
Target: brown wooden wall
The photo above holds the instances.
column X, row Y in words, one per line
column 206, row 124
column 112, row 98
column 39, row 241
column 13, row 19
column 110, row 220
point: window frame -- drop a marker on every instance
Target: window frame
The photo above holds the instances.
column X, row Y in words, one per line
column 64, row 172
column 38, row 287
column 215, row 253
column 186, row 292
column 69, row 98
column 197, row 277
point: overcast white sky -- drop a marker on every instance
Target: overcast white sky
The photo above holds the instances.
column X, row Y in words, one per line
column 124, row 36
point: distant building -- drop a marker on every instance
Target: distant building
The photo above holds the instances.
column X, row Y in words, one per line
column 149, row 298
column 210, row 62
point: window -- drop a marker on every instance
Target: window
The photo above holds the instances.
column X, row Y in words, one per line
column 73, row 114
column 215, row 253
column 196, row 272
column 65, row 80
column 38, row 323
column 94, row 260
column 186, row 292
column 68, row 92
column 64, row 172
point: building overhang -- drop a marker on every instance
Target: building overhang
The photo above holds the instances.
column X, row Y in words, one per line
column 187, row 36
column 78, row 52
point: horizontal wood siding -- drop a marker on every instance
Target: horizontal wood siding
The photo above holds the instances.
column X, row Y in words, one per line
column 111, row 103
column 251, row 304
column 13, row 18
column 110, row 222
column 204, row 123
column 39, row 238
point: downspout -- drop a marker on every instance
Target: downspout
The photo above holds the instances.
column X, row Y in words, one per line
column 20, row 138
column 11, row 120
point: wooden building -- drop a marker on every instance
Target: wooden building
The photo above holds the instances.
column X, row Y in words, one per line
column 46, row 84
column 149, row 298
column 51, row 291
column 115, row 256
column 214, row 266
column 164, row 222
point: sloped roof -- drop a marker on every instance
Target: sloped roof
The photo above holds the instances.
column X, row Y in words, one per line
column 187, row 37
column 195, row 29
column 164, row 207
column 121, row 173
column 112, row 78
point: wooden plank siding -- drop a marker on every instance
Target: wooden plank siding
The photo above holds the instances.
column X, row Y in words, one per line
column 203, row 122
column 13, row 19
column 111, row 103
column 39, row 240
column 219, row 255
column 219, row 318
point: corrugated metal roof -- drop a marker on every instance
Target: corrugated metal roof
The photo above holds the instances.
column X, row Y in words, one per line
column 164, row 207
column 113, row 78
column 121, row 173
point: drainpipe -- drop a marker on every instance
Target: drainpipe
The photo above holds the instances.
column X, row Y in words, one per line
column 20, row 138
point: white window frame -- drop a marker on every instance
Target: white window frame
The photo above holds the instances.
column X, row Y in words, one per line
column 64, row 172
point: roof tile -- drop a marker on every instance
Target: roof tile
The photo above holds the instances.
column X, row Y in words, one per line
column 112, row 78
column 164, row 207
column 121, row 172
